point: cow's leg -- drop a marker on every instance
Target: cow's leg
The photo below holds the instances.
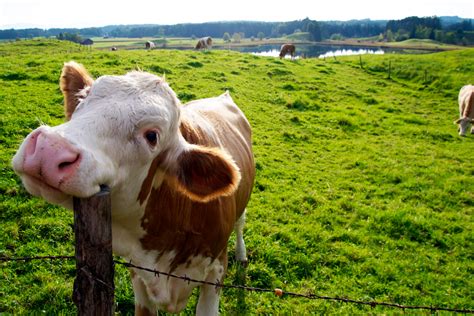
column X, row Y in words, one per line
column 143, row 306
column 240, row 251
column 472, row 129
column 208, row 303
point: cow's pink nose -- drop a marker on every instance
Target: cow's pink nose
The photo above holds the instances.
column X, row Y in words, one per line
column 50, row 158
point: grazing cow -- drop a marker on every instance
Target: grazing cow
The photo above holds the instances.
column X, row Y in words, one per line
column 204, row 43
column 287, row 49
column 466, row 109
column 180, row 177
column 113, row 48
column 149, row 45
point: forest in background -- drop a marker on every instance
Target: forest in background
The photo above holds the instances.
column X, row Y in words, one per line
column 450, row 30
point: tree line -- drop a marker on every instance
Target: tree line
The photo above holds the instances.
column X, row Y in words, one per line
column 452, row 30
column 460, row 33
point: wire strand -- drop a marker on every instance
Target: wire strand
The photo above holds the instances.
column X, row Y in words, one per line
column 277, row 292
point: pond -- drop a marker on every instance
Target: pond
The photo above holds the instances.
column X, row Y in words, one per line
column 320, row 51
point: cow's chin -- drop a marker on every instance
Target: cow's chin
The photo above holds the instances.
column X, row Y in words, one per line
column 49, row 193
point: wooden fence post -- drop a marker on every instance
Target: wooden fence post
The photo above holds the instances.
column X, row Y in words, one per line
column 93, row 291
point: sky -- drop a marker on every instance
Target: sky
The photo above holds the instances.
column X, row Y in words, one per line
column 96, row 13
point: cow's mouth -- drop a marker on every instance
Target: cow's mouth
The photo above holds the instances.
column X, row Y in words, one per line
column 39, row 187
column 40, row 183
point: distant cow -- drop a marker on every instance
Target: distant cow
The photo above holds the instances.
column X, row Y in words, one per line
column 149, row 45
column 180, row 181
column 287, row 49
column 204, row 43
column 466, row 109
column 113, row 49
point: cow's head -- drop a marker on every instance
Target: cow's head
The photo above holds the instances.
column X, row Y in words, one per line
column 463, row 125
column 117, row 128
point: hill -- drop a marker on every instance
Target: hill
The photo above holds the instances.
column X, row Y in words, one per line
column 363, row 188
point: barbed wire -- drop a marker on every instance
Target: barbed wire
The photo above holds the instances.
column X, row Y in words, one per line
column 278, row 292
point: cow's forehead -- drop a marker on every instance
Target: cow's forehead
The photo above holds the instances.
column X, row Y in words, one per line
column 134, row 82
column 131, row 96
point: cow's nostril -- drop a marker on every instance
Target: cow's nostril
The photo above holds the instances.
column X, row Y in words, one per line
column 63, row 165
column 66, row 164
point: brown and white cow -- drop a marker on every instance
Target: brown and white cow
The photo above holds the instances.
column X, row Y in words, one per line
column 180, row 177
column 466, row 109
column 204, row 43
column 150, row 45
column 287, row 49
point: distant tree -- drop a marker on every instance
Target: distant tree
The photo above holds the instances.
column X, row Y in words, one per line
column 161, row 32
column 69, row 37
column 440, row 36
column 337, row 37
column 260, row 35
column 226, row 37
column 314, row 31
column 389, row 36
column 236, row 37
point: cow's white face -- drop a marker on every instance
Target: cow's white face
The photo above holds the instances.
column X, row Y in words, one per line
column 118, row 126
column 463, row 124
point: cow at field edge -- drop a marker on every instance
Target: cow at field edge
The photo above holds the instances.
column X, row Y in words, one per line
column 466, row 109
column 287, row 49
column 180, row 177
column 149, row 45
column 204, row 43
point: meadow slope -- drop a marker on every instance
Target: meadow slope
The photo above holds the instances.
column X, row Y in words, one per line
column 363, row 188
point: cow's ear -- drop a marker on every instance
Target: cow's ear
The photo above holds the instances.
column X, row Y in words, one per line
column 204, row 174
column 457, row 121
column 74, row 78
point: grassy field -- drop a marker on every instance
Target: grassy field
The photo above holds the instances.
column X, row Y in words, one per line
column 363, row 189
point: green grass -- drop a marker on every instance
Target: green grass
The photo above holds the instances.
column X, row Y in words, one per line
column 363, row 188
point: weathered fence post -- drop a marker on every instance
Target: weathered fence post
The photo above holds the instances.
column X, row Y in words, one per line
column 94, row 284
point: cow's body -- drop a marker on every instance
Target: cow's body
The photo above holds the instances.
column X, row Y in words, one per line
column 180, row 178
column 204, row 43
column 466, row 109
column 287, row 49
column 149, row 45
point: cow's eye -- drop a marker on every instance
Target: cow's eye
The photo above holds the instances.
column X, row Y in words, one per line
column 151, row 137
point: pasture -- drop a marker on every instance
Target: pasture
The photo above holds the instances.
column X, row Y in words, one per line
column 363, row 189
column 178, row 42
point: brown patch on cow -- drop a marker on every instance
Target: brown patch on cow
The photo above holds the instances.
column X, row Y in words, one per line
column 287, row 49
column 148, row 182
column 173, row 222
column 193, row 134
column 74, row 78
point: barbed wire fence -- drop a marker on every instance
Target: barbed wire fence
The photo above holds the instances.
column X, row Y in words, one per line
column 278, row 292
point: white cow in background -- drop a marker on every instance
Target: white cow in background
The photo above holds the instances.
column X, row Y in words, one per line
column 466, row 109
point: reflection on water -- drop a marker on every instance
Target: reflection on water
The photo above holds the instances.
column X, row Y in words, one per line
column 320, row 51
column 348, row 52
